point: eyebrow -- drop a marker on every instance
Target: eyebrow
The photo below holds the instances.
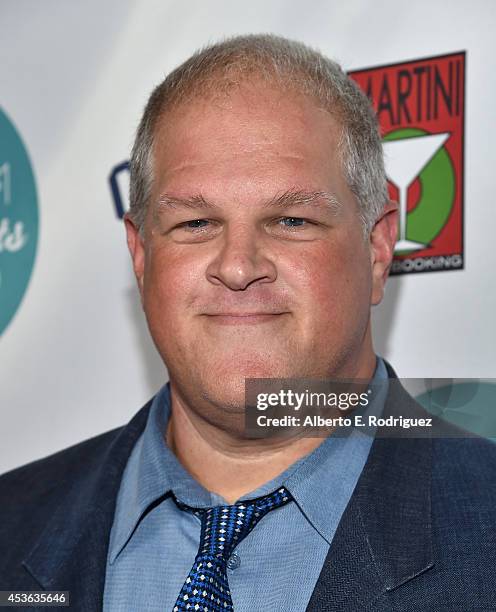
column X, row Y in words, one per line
column 290, row 198
column 168, row 202
column 304, row 198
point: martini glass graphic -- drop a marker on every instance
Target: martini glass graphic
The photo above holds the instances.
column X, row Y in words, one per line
column 405, row 158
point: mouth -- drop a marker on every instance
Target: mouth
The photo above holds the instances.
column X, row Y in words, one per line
column 245, row 318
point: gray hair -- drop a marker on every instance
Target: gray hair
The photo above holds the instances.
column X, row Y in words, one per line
column 217, row 68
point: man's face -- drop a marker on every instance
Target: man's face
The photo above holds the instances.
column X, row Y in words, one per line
column 254, row 262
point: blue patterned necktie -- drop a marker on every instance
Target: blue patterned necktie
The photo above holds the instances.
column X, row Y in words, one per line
column 222, row 528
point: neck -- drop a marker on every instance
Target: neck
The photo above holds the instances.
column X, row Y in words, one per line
column 226, row 463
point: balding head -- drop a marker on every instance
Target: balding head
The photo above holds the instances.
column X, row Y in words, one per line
column 215, row 71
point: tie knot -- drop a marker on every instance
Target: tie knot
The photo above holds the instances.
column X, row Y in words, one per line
column 223, row 527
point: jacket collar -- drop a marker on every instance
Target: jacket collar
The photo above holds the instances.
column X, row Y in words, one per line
column 384, row 538
column 71, row 553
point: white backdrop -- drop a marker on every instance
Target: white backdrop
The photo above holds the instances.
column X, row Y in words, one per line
column 76, row 359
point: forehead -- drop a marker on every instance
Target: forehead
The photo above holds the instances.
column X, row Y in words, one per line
column 255, row 137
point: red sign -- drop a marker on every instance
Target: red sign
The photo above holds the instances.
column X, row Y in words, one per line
column 420, row 106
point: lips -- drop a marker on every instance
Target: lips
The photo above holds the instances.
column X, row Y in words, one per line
column 242, row 314
column 243, row 318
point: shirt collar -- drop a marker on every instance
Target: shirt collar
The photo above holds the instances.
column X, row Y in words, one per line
column 152, row 472
column 321, row 483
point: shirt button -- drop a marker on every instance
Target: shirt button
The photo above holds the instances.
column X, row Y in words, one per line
column 234, row 561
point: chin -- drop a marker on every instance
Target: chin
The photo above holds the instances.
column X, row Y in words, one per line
column 239, row 368
column 223, row 382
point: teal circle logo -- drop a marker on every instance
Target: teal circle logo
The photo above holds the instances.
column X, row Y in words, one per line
column 467, row 403
column 19, row 220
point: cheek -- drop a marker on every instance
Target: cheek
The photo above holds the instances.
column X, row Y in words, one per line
column 169, row 282
column 332, row 281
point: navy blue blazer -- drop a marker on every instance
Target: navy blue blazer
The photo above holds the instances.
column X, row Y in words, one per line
column 417, row 535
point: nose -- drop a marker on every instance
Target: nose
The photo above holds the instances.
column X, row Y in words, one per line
column 242, row 261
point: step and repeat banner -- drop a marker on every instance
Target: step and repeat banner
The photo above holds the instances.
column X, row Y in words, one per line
column 75, row 355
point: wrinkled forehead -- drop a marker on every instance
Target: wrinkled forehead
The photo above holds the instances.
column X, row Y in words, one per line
column 255, row 122
column 246, row 149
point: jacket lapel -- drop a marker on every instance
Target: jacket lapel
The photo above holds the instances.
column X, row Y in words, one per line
column 384, row 537
column 71, row 553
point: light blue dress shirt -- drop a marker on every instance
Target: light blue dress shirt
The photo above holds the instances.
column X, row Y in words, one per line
column 153, row 543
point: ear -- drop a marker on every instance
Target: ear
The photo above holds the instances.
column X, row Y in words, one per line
column 137, row 250
column 382, row 240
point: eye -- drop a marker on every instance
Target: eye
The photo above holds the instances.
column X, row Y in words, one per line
column 296, row 228
column 293, row 222
column 195, row 230
column 195, row 224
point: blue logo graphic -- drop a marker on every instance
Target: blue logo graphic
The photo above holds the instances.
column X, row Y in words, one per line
column 18, row 220
column 119, row 186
